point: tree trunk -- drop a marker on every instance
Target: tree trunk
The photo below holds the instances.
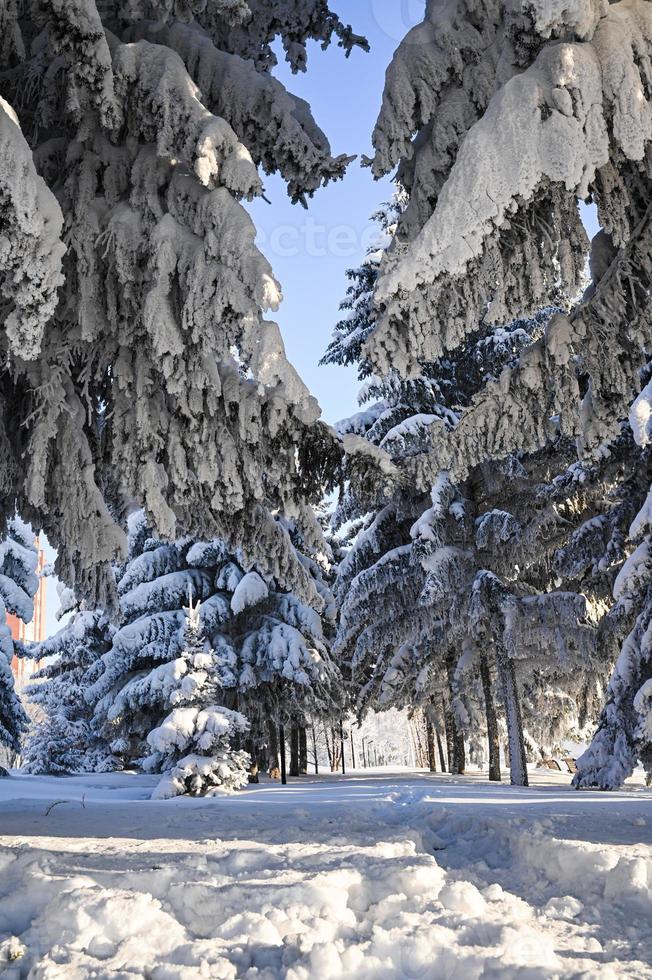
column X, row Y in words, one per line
column 272, row 748
column 281, row 738
column 440, row 745
column 430, row 736
column 335, row 758
column 492, row 721
column 456, row 748
column 328, row 748
column 449, row 727
column 342, row 748
column 459, row 752
column 352, row 749
column 415, row 748
column 517, row 761
column 303, row 751
column 314, row 746
column 254, row 769
column 294, row 750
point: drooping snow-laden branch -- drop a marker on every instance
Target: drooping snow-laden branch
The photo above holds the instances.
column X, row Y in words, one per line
column 276, row 127
column 138, row 367
column 30, row 248
column 502, row 229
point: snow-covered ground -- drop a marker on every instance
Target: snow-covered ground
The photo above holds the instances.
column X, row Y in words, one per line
column 382, row 873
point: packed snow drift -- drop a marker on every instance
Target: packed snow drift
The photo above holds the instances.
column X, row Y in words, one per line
column 376, row 874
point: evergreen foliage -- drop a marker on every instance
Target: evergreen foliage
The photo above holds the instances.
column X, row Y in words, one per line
column 521, row 112
column 198, row 640
column 194, row 744
column 136, row 363
column 64, row 738
column 18, row 586
column 498, row 581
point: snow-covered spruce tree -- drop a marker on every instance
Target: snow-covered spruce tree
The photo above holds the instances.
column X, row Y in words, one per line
column 18, row 586
column 624, row 733
column 265, row 648
column 535, row 545
column 567, row 529
column 521, row 110
column 439, row 656
column 195, row 744
column 284, row 675
column 64, row 738
column 359, row 314
column 135, row 363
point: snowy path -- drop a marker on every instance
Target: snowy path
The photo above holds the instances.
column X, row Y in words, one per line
column 381, row 874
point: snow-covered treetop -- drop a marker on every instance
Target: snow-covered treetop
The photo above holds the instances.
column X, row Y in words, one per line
column 359, row 317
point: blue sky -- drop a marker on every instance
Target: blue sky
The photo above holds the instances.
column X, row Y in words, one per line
column 310, row 251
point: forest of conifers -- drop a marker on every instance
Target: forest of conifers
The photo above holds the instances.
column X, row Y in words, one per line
column 474, row 545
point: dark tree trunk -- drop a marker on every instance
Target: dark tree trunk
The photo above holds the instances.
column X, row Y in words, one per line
column 252, row 749
column 342, row 748
column 457, row 755
column 294, row 750
column 303, row 751
column 281, row 738
column 440, row 745
column 430, row 736
column 272, row 748
column 314, row 747
column 328, row 748
column 448, row 731
column 517, row 760
column 352, row 750
column 449, row 726
column 492, row 721
column 440, row 749
column 335, row 757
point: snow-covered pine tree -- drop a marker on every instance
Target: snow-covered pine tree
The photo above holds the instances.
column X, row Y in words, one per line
column 556, row 100
column 195, row 746
column 18, row 586
column 136, row 363
column 285, row 676
column 268, row 654
column 387, row 655
column 129, row 686
column 356, row 325
column 624, row 733
column 64, row 738
column 464, row 542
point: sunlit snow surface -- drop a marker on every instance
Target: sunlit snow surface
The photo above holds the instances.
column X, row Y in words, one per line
column 378, row 874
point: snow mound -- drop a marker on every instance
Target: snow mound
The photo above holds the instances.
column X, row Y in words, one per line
column 365, row 877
